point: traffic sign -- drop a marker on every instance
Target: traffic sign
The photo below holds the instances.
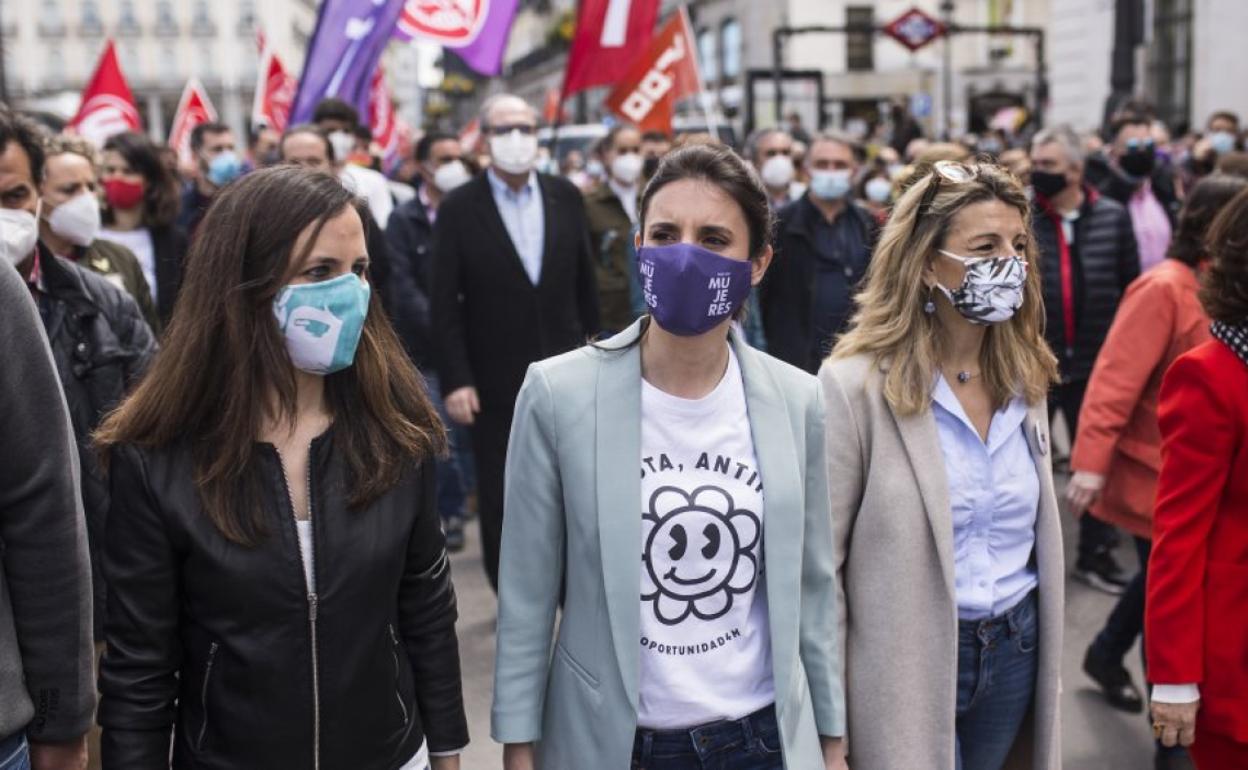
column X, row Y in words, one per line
column 915, row 29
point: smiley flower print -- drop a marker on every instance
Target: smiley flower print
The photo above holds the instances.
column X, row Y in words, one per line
column 698, row 554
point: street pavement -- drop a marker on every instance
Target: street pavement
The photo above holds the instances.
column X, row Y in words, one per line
column 1094, row 736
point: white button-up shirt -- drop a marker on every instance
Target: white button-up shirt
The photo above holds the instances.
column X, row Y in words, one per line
column 994, row 494
column 525, row 219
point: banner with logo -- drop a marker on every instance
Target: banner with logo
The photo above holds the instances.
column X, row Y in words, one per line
column 381, row 119
column 646, row 95
column 609, row 33
column 477, row 30
column 194, row 109
column 107, row 106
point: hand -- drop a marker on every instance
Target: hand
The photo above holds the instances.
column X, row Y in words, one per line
column 1177, row 722
column 462, row 404
column 1083, row 490
column 59, row 756
column 445, row 763
column 519, row 756
column 833, row 753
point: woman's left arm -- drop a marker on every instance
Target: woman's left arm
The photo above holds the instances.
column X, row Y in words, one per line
column 819, row 635
column 427, row 617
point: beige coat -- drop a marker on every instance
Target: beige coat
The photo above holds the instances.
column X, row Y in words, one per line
column 894, row 541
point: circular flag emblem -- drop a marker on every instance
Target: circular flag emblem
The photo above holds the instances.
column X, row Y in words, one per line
column 449, row 22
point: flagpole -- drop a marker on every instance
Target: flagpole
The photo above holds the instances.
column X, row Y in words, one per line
column 704, row 98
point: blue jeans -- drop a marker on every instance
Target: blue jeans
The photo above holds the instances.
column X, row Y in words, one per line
column 14, row 753
column 451, row 491
column 750, row 743
column 997, row 662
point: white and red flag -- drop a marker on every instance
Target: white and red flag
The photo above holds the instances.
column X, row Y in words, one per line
column 646, row 96
column 275, row 89
column 107, row 106
column 382, row 121
column 609, row 33
column 194, row 109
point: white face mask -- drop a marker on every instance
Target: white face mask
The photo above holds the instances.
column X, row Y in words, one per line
column 19, row 231
column 450, row 175
column 626, row 168
column 343, row 143
column 514, row 153
column 878, row 189
column 77, row 220
column 778, row 171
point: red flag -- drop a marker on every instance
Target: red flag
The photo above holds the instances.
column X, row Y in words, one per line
column 470, row 136
column 552, row 110
column 194, row 108
column 275, row 89
column 381, row 119
column 107, row 104
column 608, row 35
column 647, row 94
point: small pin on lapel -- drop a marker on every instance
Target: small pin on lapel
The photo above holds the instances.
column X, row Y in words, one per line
column 1042, row 440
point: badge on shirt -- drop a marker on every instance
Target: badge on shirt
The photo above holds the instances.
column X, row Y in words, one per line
column 1042, row 440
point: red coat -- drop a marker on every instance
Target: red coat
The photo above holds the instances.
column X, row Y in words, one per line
column 1196, row 618
column 1159, row 319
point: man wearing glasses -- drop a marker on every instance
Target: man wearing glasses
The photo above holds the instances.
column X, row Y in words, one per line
column 513, row 283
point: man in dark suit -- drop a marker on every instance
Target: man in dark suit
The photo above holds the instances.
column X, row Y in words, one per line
column 823, row 245
column 513, row 283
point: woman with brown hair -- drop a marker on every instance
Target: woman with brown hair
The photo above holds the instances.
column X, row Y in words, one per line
column 279, row 592
column 141, row 199
column 947, row 535
column 1196, row 630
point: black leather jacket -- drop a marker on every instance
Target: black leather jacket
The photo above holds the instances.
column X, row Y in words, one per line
column 101, row 345
column 229, row 648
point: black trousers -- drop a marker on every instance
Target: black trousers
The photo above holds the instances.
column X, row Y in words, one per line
column 1095, row 535
column 489, row 448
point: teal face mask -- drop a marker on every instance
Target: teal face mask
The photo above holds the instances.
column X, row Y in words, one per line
column 322, row 322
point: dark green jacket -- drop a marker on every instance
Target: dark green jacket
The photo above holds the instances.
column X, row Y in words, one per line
column 609, row 234
column 119, row 265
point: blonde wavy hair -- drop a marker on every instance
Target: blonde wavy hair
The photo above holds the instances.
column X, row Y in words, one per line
column 891, row 326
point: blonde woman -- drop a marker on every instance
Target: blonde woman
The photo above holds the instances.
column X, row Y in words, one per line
column 948, row 543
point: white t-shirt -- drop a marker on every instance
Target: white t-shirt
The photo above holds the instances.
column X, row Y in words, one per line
column 705, row 634
column 140, row 242
column 372, row 187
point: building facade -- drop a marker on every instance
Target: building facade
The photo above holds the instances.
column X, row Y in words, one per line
column 51, row 48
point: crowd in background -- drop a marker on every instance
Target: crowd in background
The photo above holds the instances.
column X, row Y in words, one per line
column 488, row 258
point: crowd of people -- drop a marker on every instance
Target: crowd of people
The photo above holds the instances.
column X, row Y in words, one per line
column 759, row 443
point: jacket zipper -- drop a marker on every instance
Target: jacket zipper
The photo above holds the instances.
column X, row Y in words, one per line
column 394, row 651
column 203, row 695
column 312, row 606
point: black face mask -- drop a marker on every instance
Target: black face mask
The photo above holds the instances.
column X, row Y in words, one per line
column 648, row 167
column 1138, row 163
column 1047, row 183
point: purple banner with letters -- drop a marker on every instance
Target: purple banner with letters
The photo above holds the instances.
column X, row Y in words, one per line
column 476, row 30
column 343, row 53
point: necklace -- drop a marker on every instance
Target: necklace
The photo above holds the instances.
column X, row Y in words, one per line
column 965, row 377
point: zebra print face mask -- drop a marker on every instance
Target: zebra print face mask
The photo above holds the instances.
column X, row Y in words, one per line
column 991, row 292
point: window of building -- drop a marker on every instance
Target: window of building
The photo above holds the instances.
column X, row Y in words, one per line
column 90, row 24
column 166, row 23
column 201, row 20
column 54, row 73
column 1170, row 59
column 730, row 46
column 169, row 69
column 708, row 55
column 127, row 21
column 246, row 16
column 860, row 40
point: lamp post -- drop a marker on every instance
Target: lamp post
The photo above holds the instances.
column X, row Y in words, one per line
column 946, row 10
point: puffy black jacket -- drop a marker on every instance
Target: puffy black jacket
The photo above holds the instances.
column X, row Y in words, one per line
column 1104, row 260
column 1100, row 172
column 225, row 648
column 101, row 345
column 409, row 237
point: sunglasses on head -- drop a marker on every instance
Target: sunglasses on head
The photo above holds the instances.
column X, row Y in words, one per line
column 951, row 171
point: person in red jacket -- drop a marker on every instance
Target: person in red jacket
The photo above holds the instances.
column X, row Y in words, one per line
column 1196, row 627
column 1117, row 451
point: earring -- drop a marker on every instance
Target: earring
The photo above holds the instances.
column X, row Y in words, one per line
column 929, row 307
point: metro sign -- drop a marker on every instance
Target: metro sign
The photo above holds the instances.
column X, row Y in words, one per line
column 915, row 29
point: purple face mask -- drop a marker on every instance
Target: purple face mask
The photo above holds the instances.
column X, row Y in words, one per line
column 689, row 289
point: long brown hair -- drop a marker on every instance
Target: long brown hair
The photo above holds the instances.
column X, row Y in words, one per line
column 891, row 326
column 223, row 357
column 1224, row 291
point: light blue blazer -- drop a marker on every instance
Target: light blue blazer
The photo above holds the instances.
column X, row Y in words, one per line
column 573, row 509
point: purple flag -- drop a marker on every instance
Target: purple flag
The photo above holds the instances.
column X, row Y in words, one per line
column 343, row 53
column 476, row 30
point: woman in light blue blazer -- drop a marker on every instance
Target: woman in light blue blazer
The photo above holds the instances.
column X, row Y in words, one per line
column 670, row 485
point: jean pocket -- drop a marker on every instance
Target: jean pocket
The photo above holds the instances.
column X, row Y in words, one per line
column 768, row 743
